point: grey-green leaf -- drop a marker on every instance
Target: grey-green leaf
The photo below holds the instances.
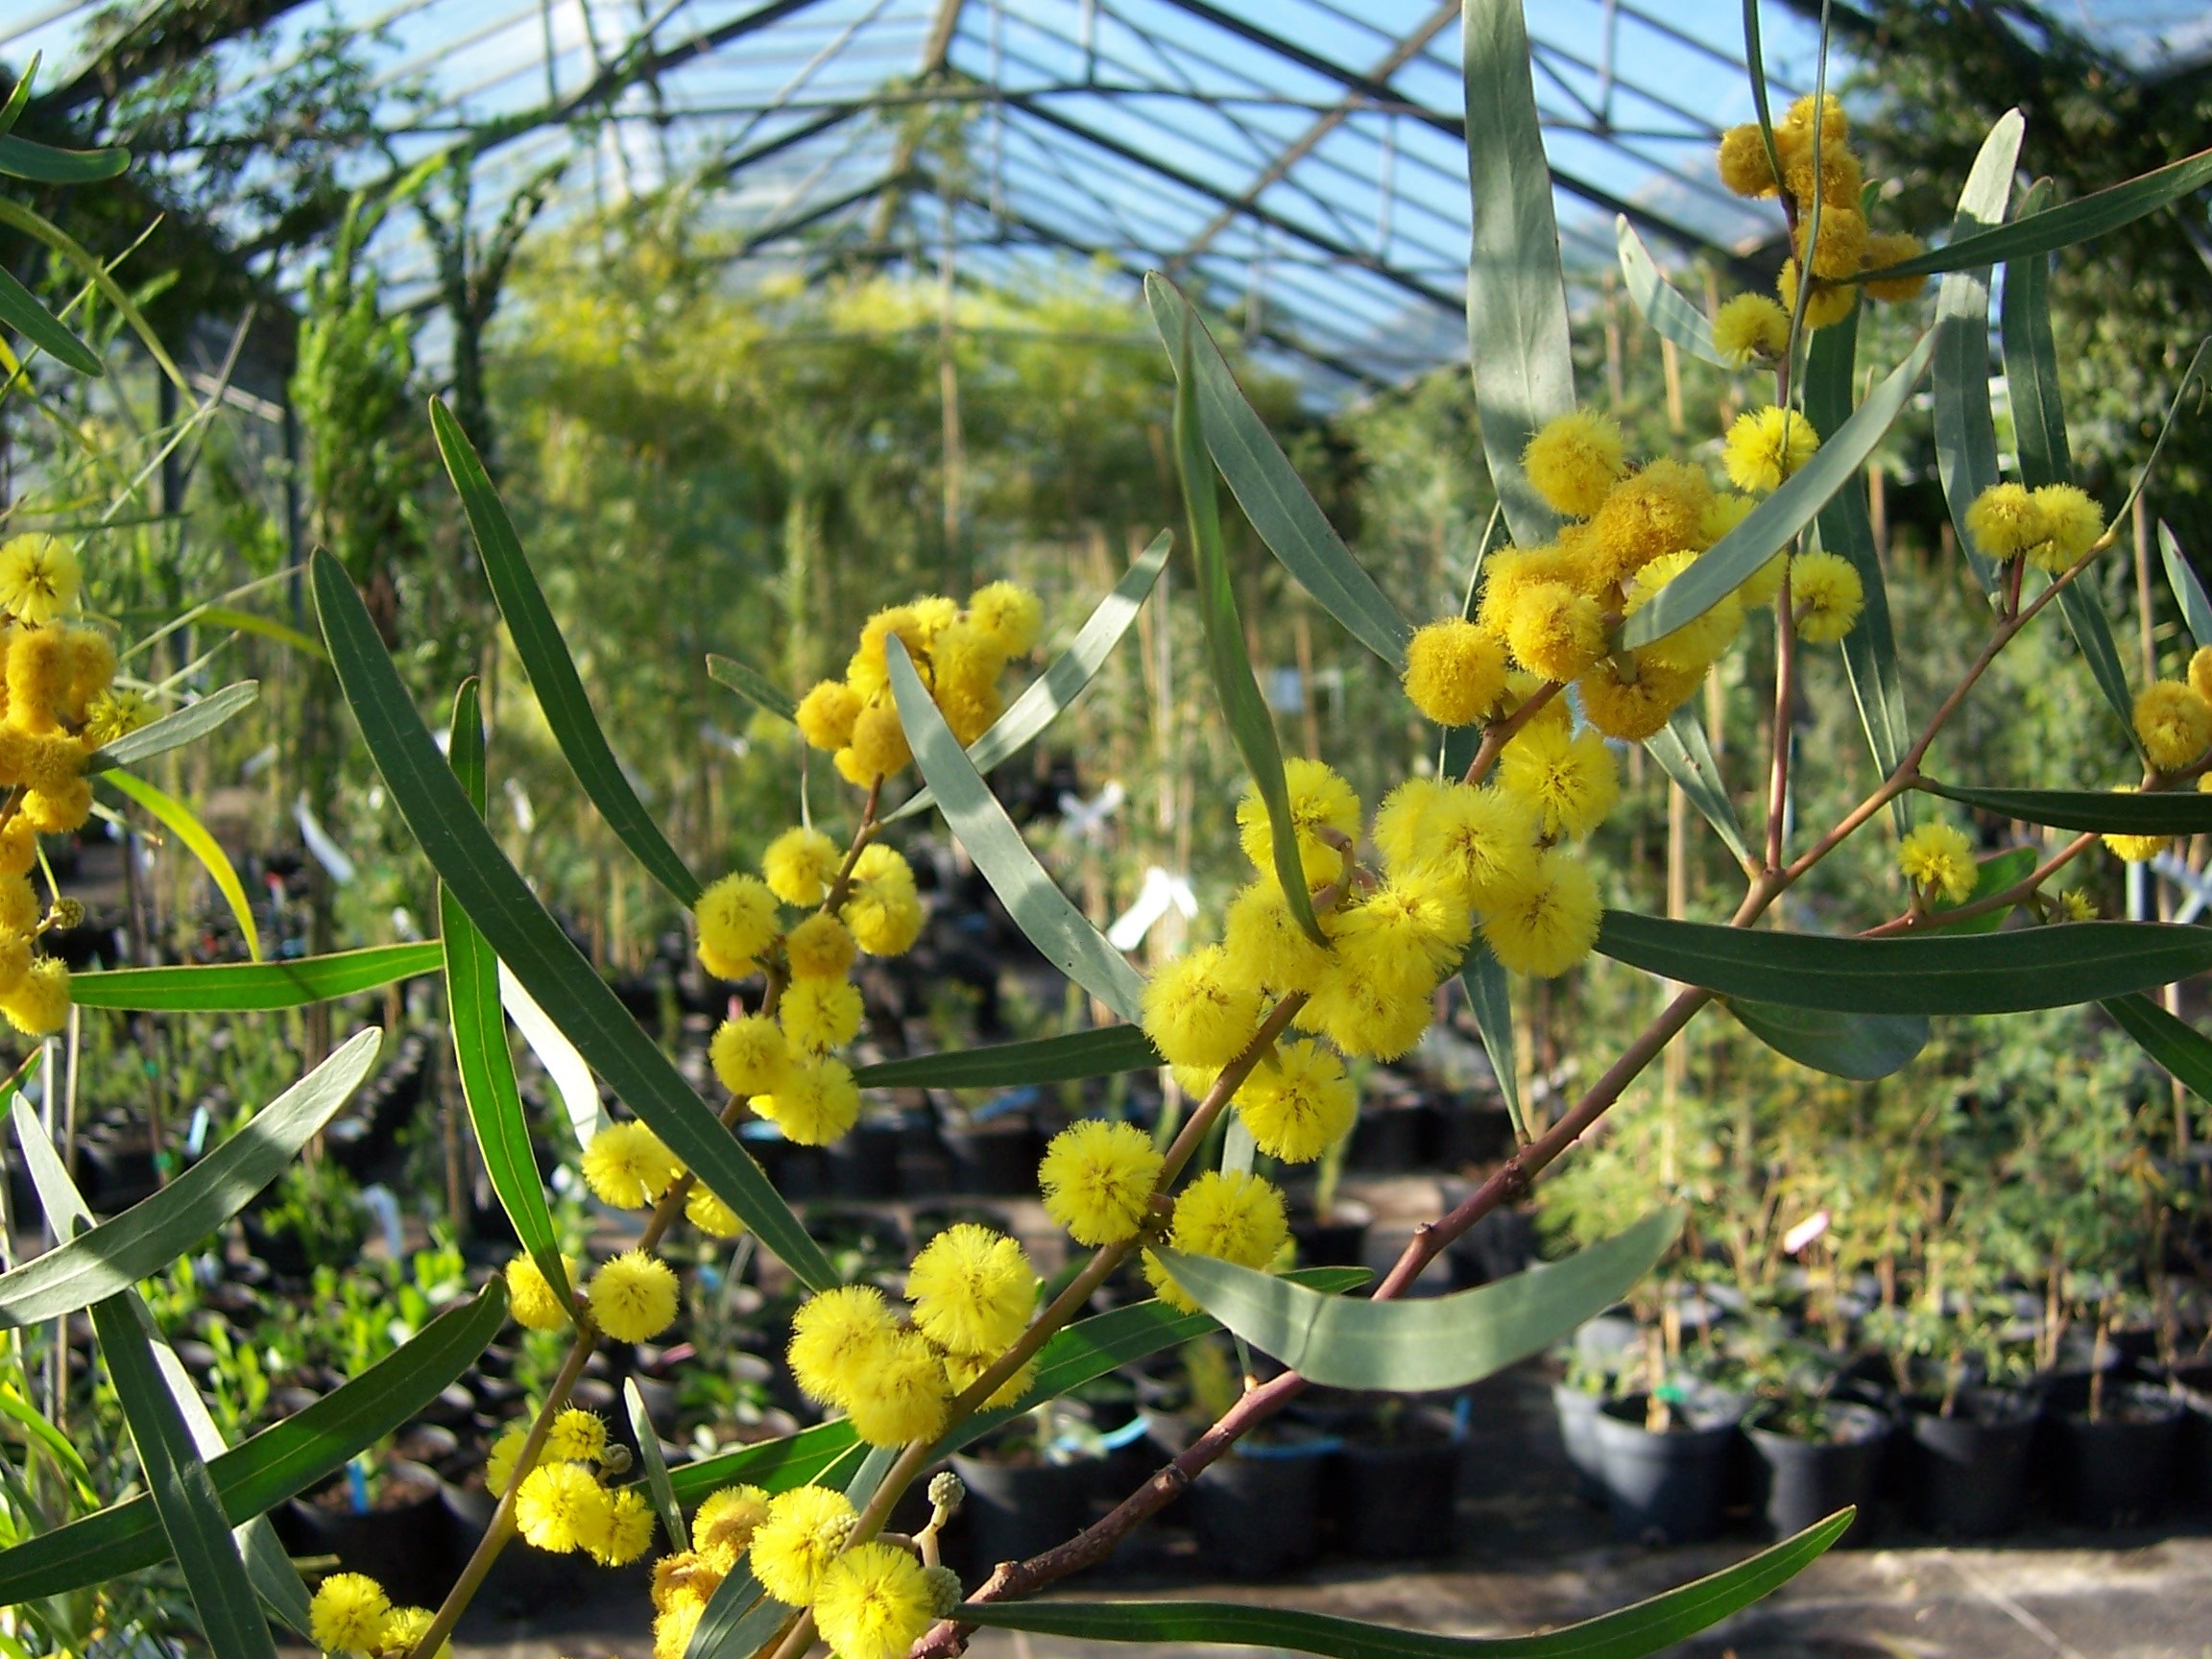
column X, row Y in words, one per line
column 545, row 659
column 1425, row 1342
column 1721, row 568
column 20, row 310
column 43, row 164
column 1097, row 1052
column 1043, row 699
column 240, row 987
column 1935, row 973
column 2032, row 362
column 2106, row 812
column 1490, row 996
column 1662, row 304
column 521, row 934
column 2188, row 591
column 188, row 725
column 1859, row 1045
column 1685, row 756
column 664, row 1502
column 149, row 1235
column 1966, row 432
column 750, row 683
column 1275, row 499
column 1039, row 908
column 2183, row 1050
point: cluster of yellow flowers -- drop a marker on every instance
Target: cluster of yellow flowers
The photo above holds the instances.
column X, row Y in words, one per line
column 562, row 1505
column 1753, row 326
column 2173, row 722
column 57, row 706
column 632, row 1297
column 350, row 1613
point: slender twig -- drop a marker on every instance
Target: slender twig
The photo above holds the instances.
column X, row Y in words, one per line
column 842, row 887
column 1498, row 734
column 1784, row 699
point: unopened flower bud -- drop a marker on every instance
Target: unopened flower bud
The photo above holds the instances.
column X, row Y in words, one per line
column 944, row 1591
column 616, row 1459
column 65, row 913
column 946, row 1493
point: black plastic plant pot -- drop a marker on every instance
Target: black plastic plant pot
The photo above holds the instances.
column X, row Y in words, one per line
column 1805, row 1481
column 993, row 1159
column 1017, row 1510
column 1340, row 1241
column 1257, row 1511
column 1390, row 1139
column 1398, row 1502
column 865, row 1163
column 1970, row 1469
column 403, row 1541
column 1663, row 1487
column 1577, row 1414
column 2118, row 1471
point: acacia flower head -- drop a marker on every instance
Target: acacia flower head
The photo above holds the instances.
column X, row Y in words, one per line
column 1938, row 858
column 1098, row 1179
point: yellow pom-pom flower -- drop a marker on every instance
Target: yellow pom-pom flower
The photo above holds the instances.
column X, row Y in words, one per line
column 1745, row 167
column 1828, row 304
column 2138, row 848
column 800, row 864
column 820, row 1015
column 1634, row 710
column 1842, row 245
column 1098, row 1179
column 559, row 1506
column 499, row 1461
column 820, row 948
column 837, row 1337
column 963, row 1371
column 1263, row 945
column 1826, row 595
column 576, row 1436
column 737, row 925
column 802, row 1533
column 347, row 1611
column 1483, row 841
column 38, row 678
column 1298, row 1103
column 674, row 1627
column 633, row 1296
column 2077, row 905
column 2200, row 671
column 38, row 1005
column 39, row 577
column 883, row 911
column 902, row 1396
column 825, row 714
column 973, row 1289
column 1549, row 925
column 878, row 746
column 627, row 1532
column 534, row 1302
column 60, row 812
column 723, row 1529
column 1556, row 632
column 1370, row 1003
column 1009, row 613
column 2005, row 520
column 873, row 1603
column 1573, row 460
column 1699, row 642
column 867, row 673
column 2174, row 721
column 1887, row 248
column 706, row 1212
column 815, row 1104
column 2072, row 523
column 1748, row 326
column 626, row 1166
column 1197, row 1013
column 1654, row 512
column 1233, row 1218
column 1938, row 859
column 1568, row 783
column 404, row 1628
column 749, row 1055
column 689, row 1578
column 1319, row 800
column 1454, row 672
column 1767, row 445
column 1420, row 918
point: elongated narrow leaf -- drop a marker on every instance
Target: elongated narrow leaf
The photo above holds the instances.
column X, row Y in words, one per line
column 522, row 933
column 484, row 1062
column 2184, row 1051
column 1251, row 727
column 776, row 1465
column 43, row 164
column 1425, row 1342
column 664, row 1502
column 1274, row 498
column 2188, row 591
column 1043, row 699
column 2092, row 631
column 1098, row 1052
column 188, row 725
column 180, row 822
column 42, row 1433
column 1490, row 996
column 1847, row 527
column 1517, row 341
column 149, row 1235
column 750, row 683
column 1936, row 973
column 19, row 95
column 1965, row 431
column 20, row 310
column 545, row 659
column 1662, row 304
column 2062, row 226
column 267, row 627
column 2161, row 812
column 1044, row 913
column 240, row 987
column 38, row 226
column 1859, row 1045
column 1721, row 568
column 1647, row 1628
column 739, row 1619
column 571, row 1078
column 1993, row 876
column 2031, row 362
column 1685, row 756
column 262, row 1471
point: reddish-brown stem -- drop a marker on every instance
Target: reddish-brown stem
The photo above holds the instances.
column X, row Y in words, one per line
column 842, row 887
column 1498, row 734
column 1916, row 918
column 1785, row 697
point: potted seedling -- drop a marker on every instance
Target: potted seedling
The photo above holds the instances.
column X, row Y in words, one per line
column 313, row 1218
column 1030, row 1486
column 1397, row 1480
column 1331, row 1232
column 1816, row 1453
column 1256, row 1512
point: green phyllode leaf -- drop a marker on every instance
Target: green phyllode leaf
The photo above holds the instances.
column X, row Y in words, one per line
column 43, row 164
column 116, row 1254
column 1517, row 337
column 484, row 1062
column 1424, row 1342
column 2159, row 812
column 1965, row 431
column 188, row 725
column 1251, row 726
column 1934, row 973
column 1647, row 1628
column 1862, row 1047
column 1722, row 567
column 664, row 1502
column 521, row 934
column 242, row 987
column 1490, row 997
column 2188, row 591
column 1043, row 698
column 545, row 659
column 1685, row 755
column 2179, row 1047
column 180, row 822
column 1044, row 913
column 1274, row 498
column 1097, row 1052
column 750, row 683
column 1671, row 316
column 20, row 310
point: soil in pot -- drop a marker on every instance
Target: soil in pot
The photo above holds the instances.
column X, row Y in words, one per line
column 1807, row 1470
column 1020, row 1508
column 2118, row 1470
column 402, row 1540
column 1666, row 1486
column 1256, row 1512
column 1970, row 1469
column 1395, row 1498
column 1578, row 1413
